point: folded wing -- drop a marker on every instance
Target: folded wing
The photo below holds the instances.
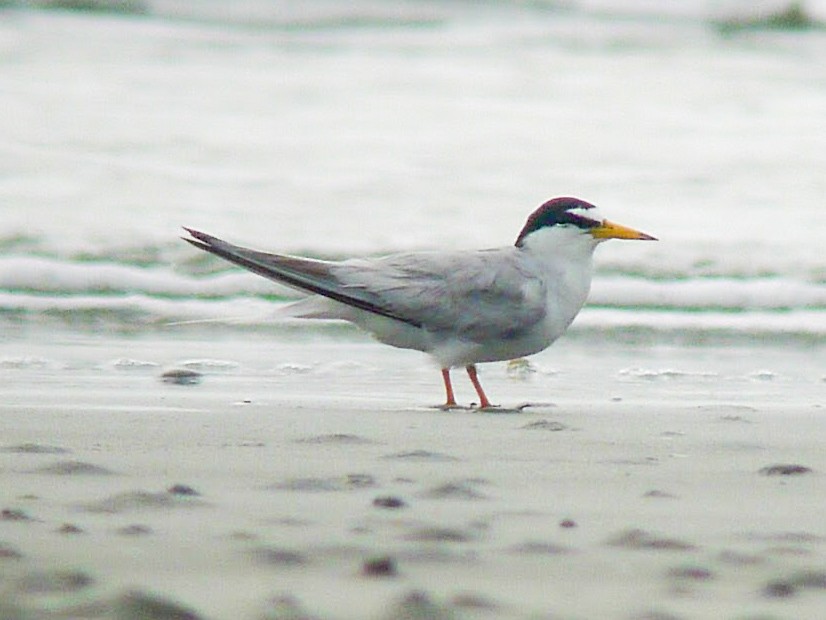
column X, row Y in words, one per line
column 477, row 296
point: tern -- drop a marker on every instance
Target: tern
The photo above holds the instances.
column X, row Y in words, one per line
column 460, row 307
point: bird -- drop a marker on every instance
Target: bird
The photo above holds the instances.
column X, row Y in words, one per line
column 462, row 307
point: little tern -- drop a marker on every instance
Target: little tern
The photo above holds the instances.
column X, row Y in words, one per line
column 460, row 307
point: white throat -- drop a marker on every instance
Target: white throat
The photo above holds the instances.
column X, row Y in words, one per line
column 561, row 243
column 564, row 258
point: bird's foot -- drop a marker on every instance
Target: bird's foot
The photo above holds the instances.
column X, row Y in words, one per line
column 489, row 408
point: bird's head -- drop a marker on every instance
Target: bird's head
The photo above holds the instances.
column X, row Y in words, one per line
column 574, row 219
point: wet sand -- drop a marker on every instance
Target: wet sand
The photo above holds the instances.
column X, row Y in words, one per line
column 314, row 482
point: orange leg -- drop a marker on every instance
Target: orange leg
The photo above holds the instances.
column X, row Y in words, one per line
column 451, row 399
column 484, row 403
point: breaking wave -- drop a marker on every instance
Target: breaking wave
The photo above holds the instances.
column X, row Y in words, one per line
column 140, row 295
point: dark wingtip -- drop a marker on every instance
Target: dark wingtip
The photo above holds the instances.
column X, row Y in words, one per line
column 200, row 240
column 198, row 234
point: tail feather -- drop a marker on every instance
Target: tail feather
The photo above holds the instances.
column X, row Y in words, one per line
column 311, row 276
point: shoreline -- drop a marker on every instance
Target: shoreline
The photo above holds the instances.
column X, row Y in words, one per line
column 329, row 486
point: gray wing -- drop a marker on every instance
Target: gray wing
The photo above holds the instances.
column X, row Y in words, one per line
column 478, row 296
column 312, row 276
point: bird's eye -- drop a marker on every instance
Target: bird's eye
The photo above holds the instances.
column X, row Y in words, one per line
column 580, row 221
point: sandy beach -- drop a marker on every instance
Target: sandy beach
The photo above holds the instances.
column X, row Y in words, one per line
column 310, row 479
column 670, row 462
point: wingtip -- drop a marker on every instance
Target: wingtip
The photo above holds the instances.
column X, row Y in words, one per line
column 197, row 238
column 201, row 237
column 195, row 233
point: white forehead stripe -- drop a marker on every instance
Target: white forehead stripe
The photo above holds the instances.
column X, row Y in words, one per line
column 589, row 214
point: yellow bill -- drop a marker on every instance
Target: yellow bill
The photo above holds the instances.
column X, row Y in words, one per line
column 609, row 230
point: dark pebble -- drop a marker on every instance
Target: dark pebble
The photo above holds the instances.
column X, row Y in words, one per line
column 69, row 528
column 779, row 589
column 567, row 523
column 785, row 470
column 389, row 501
column 384, row 566
column 14, row 514
column 182, row 489
column 181, row 376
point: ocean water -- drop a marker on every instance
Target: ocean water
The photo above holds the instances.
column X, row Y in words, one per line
column 338, row 129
